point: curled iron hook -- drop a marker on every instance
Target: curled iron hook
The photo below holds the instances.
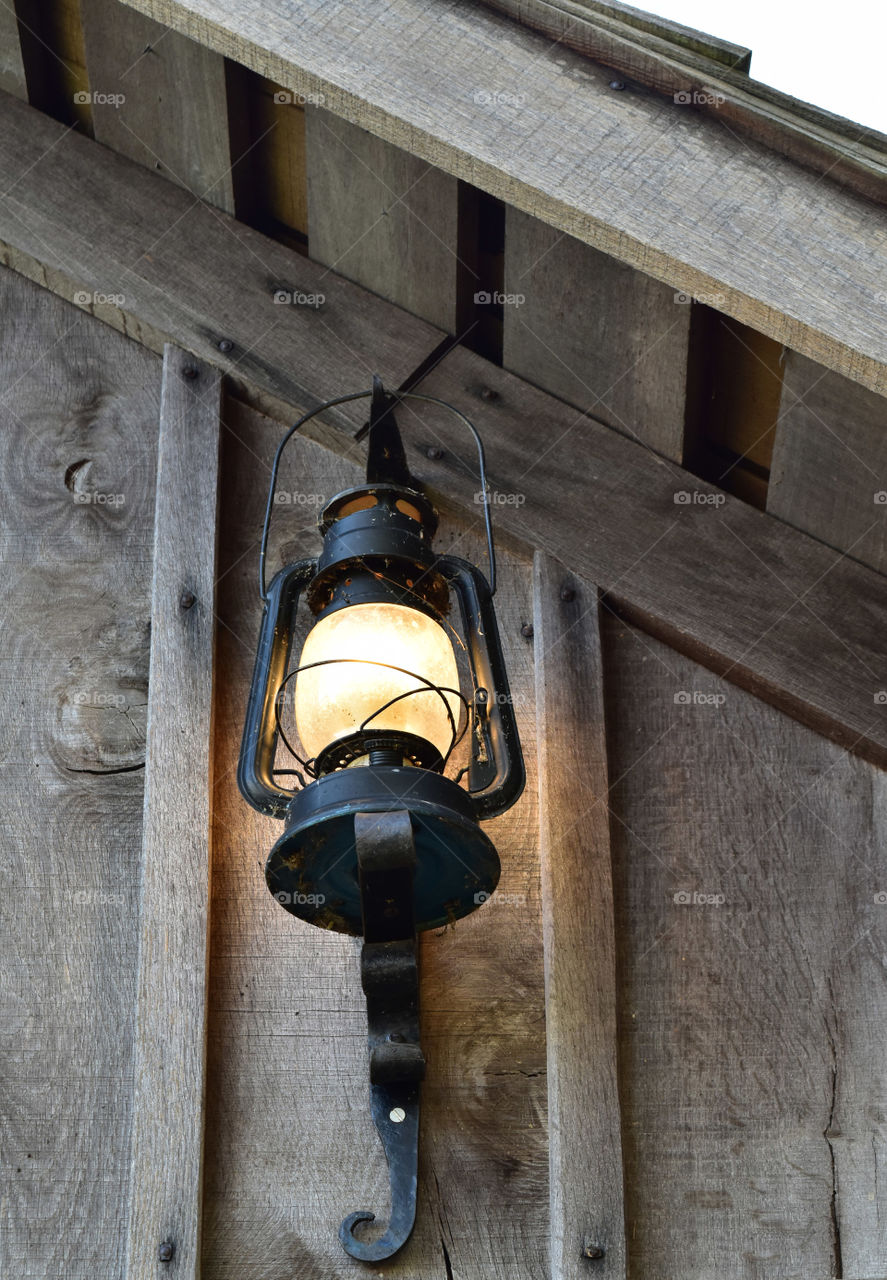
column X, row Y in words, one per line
column 396, row 1116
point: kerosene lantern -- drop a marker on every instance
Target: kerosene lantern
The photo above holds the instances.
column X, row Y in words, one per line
column 378, row 839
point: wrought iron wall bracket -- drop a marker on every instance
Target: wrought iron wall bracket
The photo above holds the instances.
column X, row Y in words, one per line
column 386, row 857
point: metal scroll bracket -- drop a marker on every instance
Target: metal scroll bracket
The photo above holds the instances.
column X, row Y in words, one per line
column 386, row 857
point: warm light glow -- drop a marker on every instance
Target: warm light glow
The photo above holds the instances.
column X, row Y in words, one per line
column 333, row 701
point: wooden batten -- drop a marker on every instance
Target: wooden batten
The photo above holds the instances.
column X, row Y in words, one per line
column 596, row 333
column 12, row 65
column 587, row 1210
column 829, row 473
column 159, row 98
column 381, row 217
column 170, row 1038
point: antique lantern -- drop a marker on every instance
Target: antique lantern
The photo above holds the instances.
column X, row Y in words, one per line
column 378, row 839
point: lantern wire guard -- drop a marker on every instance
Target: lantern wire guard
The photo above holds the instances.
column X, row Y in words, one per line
column 394, row 847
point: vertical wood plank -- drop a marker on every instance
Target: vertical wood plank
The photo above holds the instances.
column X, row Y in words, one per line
column 12, row 67
column 587, row 1214
column 173, row 117
column 829, row 473
column 78, row 438
column 382, row 217
column 596, row 333
column 170, row 1048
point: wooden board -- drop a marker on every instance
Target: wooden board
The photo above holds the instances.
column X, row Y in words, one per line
column 587, row 1210
column 519, row 116
column 666, row 61
column 381, row 217
column 724, row 52
column 78, row 407
column 212, row 281
column 594, row 332
column 290, row 1144
column 829, row 474
column 12, row 68
column 170, row 1028
column 747, row 857
column 173, row 116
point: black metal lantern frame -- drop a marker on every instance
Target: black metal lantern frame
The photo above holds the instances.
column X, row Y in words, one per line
column 379, row 841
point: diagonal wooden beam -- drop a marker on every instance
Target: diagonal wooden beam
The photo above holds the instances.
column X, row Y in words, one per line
column 170, row 1045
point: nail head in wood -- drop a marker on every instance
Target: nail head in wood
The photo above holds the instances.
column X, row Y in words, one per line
column 166, row 1251
column 434, row 453
column 592, row 1250
column 187, row 600
column 487, row 393
column 190, row 372
column 527, row 631
column 226, row 345
column 568, row 594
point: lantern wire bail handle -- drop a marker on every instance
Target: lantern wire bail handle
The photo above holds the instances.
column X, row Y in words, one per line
column 385, row 415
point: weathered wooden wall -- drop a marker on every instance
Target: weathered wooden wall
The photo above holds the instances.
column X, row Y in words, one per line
column 631, row 427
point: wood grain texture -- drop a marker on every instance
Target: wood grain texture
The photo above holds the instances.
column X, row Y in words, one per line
column 173, row 117
column 670, row 191
column 86, row 221
column 667, row 62
column 12, row 67
column 829, row 474
column 749, row 864
column 381, row 217
column 724, row 52
column 170, row 1032
column 647, row 547
column 585, row 1158
column 290, row 1144
column 594, row 332
column 78, row 441
column 649, row 534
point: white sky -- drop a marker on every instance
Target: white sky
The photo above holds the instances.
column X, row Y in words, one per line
column 829, row 54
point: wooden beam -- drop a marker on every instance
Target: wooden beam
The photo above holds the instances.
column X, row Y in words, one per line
column 723, row 52
column 381, row 217
column 829, row 473
column 499, row 106
column 585, row 1143
column 92, row 225
column 596, row 333
column 170, row 1043
column 844, row 152
column 159, row 98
